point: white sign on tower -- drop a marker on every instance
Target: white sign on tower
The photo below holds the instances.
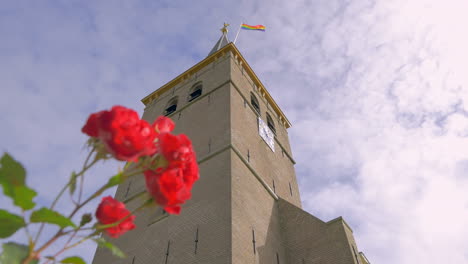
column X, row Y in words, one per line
column 266, row 133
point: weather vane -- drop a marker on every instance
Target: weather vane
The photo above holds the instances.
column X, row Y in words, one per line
column 224, row 29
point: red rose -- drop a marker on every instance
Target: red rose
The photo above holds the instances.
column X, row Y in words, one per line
column 176, row 149
column 179, row 153
column 190, row 172
column 91, row 126
column 123, row 133
column 163, row 125
column 172, row 185
column 167, row 188
column 110, row 211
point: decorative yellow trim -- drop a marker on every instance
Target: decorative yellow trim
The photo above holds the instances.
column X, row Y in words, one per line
column 220, row 53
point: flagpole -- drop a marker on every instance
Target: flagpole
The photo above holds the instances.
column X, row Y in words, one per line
column 237, row 33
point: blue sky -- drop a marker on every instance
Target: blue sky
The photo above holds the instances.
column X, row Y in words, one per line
column 376, row 91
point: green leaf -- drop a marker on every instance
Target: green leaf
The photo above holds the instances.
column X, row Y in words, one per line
column 12, row 179
column 24, row 197
column 115, row 250
column 9, row 223
column 116, row 180
column 73, row 182
column 86, row 218
column 15, row 253
column 12, row 174
column 73, row 260
column 45, row 215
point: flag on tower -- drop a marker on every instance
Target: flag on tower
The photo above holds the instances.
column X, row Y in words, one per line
column 257, row 27
column 249, row 27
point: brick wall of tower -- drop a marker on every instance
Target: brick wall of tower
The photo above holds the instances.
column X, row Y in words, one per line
column 255, row 213
column 308, row 239
column 352, row 246
column 207, row 211
column 254, row 218
column 206, row 120
column 271, row 166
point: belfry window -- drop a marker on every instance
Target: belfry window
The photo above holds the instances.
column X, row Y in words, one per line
column 271, row 124
column 195, row 92
column 254, row 102
column 171, row 106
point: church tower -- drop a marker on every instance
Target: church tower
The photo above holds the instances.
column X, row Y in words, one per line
column 246, row 207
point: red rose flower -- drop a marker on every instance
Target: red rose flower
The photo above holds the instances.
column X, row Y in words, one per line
column 163, row 124
column 167, row 188
column 171, row 186
column 91, row 126
column 110, row 211
column 123, row 133
column 190, row 172
column 176, row 149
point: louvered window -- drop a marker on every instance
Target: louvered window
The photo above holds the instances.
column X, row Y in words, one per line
column 254, row 102
column 271, row 124
column 195, row 92
column 171, row 106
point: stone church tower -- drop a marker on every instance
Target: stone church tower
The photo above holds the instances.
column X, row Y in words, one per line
column 246, row 208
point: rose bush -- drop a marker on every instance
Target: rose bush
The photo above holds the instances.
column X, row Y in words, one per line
column 167, row 161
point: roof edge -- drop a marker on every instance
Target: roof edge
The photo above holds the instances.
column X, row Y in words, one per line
column 340, row 219
column 228, row 48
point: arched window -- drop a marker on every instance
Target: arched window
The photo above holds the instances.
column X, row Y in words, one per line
column 171, row 106
column 195, row 92
column 254, row 102
column 271, row 124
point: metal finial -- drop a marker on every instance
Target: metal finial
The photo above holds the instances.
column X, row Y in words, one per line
column 224, row 29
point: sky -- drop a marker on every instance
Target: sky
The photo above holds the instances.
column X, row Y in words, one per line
column 376, row 91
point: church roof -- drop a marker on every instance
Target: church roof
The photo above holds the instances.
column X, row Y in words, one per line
column 223, row 41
